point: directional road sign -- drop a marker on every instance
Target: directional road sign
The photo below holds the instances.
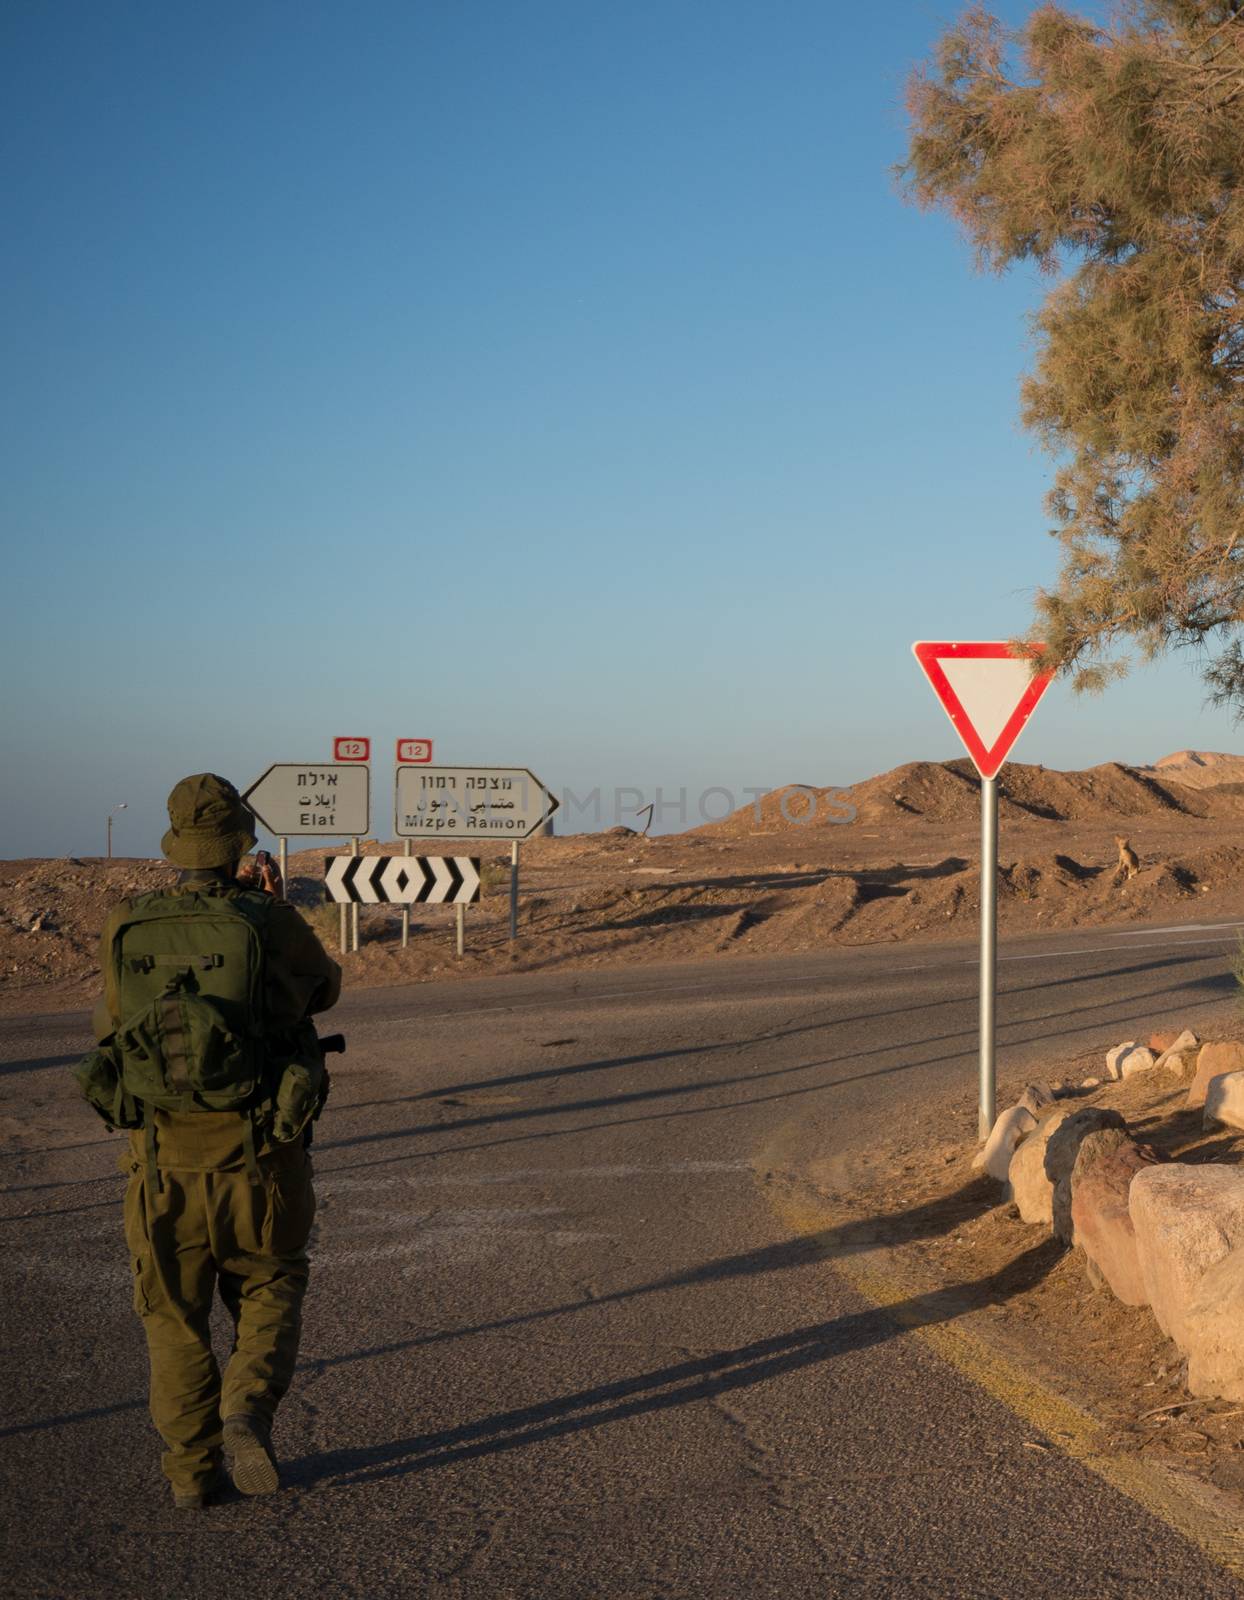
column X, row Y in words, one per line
column 298, row 797
column 402, row 880
column 987, row 691
column 470, row 802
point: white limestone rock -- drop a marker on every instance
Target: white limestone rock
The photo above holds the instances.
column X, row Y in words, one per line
column 1031, row 1190
column 995, row 1154
column 1139, row 1059
column 1185, row 1044
column 1214, row 1330
column 1224, row 1101
column 1186, row 1218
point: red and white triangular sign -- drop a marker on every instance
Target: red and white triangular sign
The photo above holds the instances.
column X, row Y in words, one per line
column 987, row 692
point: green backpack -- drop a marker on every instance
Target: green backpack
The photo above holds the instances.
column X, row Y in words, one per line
column 189, row 977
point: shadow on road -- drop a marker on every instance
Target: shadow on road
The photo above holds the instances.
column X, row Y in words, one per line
column 1224, row 981
column 918, row 1222
column 910, row 1063
column 54, row 1149
column 38, row 1064
column 664, row 1388
column 1213, row 981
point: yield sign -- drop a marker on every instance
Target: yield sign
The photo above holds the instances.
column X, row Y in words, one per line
column 987, row 692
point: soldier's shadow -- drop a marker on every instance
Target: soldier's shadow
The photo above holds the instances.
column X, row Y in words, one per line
column 669, row 1387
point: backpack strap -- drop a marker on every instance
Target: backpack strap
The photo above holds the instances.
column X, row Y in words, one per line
column 248, row 1145
column 176, row 1043
column 204, row 963
column 149, row 1139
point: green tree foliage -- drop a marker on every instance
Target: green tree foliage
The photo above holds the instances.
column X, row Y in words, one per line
column 1113, row 157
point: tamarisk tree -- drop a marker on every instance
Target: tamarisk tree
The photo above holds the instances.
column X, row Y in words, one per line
column 1112, row 156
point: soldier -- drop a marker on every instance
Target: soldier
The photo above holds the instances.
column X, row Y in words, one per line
column 206, row 1055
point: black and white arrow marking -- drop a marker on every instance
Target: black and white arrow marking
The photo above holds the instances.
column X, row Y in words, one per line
column 402, row 880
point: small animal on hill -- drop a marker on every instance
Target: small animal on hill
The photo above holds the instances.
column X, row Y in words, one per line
column 1129, row 861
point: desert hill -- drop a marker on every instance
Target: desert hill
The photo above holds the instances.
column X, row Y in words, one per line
column 949, row 792
column 902, row 868
column 1197, row 758
column 1200, row 769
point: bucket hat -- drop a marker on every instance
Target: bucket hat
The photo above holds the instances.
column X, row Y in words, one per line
column 211, row 823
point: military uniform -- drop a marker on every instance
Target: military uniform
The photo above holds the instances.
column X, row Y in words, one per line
column 202, row 1212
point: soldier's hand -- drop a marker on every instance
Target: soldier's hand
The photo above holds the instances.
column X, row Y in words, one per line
column 261, row 874
column 270, row 879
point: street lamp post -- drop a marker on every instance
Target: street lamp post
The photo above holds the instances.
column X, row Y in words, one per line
column 121, row 807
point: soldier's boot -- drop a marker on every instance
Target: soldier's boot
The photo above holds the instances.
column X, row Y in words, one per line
column 205, row 1495
column 252, row 1465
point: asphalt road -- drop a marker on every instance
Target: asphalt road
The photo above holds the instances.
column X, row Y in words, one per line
column 558, row 1342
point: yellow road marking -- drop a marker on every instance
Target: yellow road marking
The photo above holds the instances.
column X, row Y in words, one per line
column 1201, row 1513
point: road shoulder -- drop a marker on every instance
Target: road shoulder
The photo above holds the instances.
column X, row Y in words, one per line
column 910, row 1226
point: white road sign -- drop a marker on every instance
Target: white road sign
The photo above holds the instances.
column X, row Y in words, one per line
column 986, row 691
column 470, row 803
column 329, row 798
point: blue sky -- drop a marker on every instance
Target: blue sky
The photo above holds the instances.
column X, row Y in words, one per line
column 561, row 380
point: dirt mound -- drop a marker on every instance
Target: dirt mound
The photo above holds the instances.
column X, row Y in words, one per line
column 948, row 792
column 1049, row 878
column 54, row 909
column 936, row 791
column 1106, row 791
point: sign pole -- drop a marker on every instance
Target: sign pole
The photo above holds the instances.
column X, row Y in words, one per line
column 405, row 909
column 988, row 688
column 282, row 859
column 514, row 890
column 354, row 909
column 989, row 952
column 461, row 910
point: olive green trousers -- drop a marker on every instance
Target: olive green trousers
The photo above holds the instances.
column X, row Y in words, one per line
column 196, row 1231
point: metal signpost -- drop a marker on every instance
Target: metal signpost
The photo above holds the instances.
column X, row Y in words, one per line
column 351, row 747
column 121, row 806
column 296, row 799
column 988, row 693
column 466, row 804
column 417, row 752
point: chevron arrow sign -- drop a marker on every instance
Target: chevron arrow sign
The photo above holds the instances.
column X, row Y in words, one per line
column 402, row 880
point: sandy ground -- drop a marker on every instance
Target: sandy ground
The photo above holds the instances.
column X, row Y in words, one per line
column 892, row 859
